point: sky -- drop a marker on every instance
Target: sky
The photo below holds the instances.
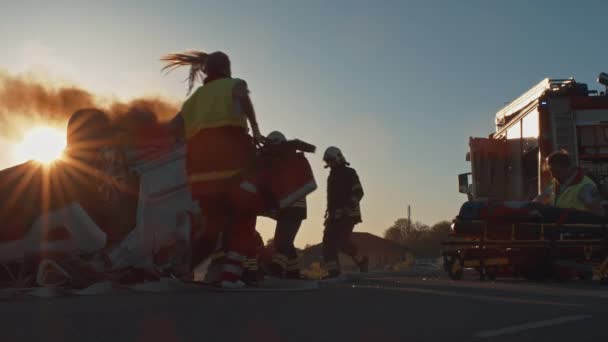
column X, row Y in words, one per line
column 400, row 86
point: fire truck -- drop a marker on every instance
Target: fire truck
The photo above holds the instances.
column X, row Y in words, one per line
column 552, row 115
column 508, row 171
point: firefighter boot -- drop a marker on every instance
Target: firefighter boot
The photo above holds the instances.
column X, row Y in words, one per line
column 232, row 271
column 251, row 275
column 278, row 265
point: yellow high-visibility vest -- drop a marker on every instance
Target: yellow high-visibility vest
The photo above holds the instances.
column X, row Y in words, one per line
column 569, row 197
column 211, row 106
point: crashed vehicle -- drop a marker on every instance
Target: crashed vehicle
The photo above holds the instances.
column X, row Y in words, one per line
column 93, row 212
column 499, row 231
column 116, row 207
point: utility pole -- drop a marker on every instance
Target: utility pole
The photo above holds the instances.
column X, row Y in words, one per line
column 409, row 218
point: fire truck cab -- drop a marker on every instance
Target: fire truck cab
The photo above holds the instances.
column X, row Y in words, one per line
column 554, row 114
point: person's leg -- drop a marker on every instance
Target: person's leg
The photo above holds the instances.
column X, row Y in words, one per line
column 240, row 238
column 285, row 257
column 346, row 245
column 330, row 249
column 251, row 249
column 211, row 152
column 345, row 231
column 278, row 263
column 205, row 238
column 293, row 264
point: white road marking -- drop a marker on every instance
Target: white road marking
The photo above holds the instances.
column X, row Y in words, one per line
column 574, row 289
column 527, row 326
column 496, row 298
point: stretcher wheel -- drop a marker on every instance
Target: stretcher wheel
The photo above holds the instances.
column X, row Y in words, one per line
column 455, row 268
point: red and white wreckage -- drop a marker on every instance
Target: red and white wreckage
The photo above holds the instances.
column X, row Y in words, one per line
column 499, row 231
column 124, row 213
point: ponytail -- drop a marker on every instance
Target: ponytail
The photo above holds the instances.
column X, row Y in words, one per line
column 214, row 65
column 195, row 59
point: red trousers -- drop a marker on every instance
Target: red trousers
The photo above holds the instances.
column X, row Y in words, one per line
column 217, row 158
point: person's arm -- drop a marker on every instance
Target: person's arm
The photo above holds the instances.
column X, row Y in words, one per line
column 592, row 199
column 356, row 188
column 241, row 94
column 327, row 203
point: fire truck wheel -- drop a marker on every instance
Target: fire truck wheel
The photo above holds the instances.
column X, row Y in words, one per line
column 491, row 273
column 456, row 268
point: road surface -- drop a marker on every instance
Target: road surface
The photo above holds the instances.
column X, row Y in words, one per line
column 416, row 306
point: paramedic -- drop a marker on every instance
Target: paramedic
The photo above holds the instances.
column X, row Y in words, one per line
column 570, row 188
column 213, row 120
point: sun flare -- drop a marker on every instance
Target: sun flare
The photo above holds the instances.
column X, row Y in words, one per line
column 43, row 144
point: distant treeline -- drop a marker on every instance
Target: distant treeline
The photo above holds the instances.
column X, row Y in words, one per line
column 422, row 240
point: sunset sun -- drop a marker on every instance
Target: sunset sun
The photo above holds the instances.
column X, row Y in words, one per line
column 43, row 144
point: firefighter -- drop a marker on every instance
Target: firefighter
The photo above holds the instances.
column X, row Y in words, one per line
column 570, row 187
column 285, row 261
column 344, row 192
column 213, row 121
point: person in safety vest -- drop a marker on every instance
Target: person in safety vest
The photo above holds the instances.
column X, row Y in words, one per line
column 344, row 192
column 214, row 122
column 570, row 188
column 285, row 261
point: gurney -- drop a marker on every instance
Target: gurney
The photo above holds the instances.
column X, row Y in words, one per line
column 527, row 239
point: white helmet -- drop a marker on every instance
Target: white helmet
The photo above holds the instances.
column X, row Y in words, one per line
column 276, row 137
column 334, row 154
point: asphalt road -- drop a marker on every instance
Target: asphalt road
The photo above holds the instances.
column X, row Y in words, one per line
column 419, row 306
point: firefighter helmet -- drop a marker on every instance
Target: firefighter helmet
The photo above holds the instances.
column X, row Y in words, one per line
column 334, row 154
column 276, row 137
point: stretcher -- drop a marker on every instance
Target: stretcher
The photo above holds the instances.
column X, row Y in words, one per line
column 528, row 240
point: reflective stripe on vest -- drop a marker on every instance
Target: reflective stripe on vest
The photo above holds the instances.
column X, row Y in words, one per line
column 212, row 105
column 569, row 197
column 299, row 204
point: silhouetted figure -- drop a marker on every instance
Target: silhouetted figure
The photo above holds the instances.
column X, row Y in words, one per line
column 344, row 192
column 570, row 188
column 213, row 121
column 285, row 261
